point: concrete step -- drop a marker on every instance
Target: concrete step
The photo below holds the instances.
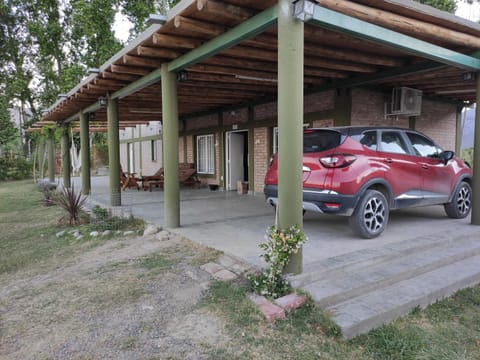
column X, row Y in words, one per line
column 367, row 288
column 360, row 314
column 352, row 262
column 332, row 290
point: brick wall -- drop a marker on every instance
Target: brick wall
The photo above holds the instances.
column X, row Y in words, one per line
column 261, row 158
column 265, row 111
column 190, row 158
column 235, row 116
column 319, row 102
column 206, row 121
column 438, row 121
column 322, row 123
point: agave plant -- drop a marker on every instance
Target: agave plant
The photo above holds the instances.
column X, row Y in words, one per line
column 71, row 202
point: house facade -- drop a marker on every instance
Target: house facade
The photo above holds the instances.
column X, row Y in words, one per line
column 236, row 145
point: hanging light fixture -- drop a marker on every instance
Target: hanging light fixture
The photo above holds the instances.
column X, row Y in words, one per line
column 102, row 102
column 303, row 9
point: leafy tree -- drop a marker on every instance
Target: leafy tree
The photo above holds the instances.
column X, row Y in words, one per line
column 8, row 131
column 445, row 5
column 137, row 12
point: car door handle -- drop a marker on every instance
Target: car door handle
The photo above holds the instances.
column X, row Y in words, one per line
column 425, row 166
column 388, row 161
column 306, row 169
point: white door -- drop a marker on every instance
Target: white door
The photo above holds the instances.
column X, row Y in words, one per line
column 235, row 167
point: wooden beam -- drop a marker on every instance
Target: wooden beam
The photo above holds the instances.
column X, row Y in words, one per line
column 199, row 28
column 157, row 52
column 324, row 17
column 247, row 29
column 142, row 62
column 220, row 10
column 132, row 70
column 175, row 42
column 413, row 27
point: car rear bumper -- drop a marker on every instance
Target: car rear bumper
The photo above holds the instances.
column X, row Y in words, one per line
column 322, row 201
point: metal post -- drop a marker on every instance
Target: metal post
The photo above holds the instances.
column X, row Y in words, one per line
column 51, row 155
column 476, row 161
column 114, row 152
column 66, row 167
column 170, row 148
column 85, row 154
column 290, row 124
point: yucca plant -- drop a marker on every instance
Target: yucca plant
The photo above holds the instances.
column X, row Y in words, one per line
column 71, row 202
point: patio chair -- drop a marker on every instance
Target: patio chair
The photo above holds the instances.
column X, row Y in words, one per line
column 128, row 180
column 156, row 179
column 188, row 177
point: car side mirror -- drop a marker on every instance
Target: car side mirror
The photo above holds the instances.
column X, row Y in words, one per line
column 446, row 156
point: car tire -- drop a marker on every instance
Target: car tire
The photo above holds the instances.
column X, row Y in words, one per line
column 370, row 217
column 462, row 202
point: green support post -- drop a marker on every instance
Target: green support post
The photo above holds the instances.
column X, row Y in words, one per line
column 170, row 148
column 85, row 154
column 51, row 155
column 66, row 157
column 114, row 152
column 290, row 124
column 476, row 161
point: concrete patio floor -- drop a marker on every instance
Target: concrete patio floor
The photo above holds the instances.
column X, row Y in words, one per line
column 236, row 224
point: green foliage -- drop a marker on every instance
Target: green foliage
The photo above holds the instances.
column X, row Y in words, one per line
column 71, row 202
column 8, row 131
column 103, row 220
column 394, row 342
column 279, row 246
column 445, row 5
column 467, row 155
column 15, row 168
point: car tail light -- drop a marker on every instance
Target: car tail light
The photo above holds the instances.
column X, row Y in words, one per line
column 337, row 160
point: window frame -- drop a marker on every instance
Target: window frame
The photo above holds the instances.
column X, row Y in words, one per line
column 206, row 155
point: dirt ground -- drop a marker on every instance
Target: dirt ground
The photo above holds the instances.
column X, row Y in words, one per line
column 130, row 298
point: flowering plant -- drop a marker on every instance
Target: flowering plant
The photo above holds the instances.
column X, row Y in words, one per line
column 278, row 247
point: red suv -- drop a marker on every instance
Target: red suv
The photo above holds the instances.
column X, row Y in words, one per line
column 364, row 172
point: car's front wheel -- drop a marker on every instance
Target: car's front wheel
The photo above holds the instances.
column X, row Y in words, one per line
column 462, row 202
column 370, row 217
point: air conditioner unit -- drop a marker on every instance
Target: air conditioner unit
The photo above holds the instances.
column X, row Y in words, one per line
column 405, row 101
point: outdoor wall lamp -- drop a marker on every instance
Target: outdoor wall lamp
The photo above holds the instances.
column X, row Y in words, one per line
column 469, row 76
column 182, row 76
column 102, row 102
column 303, row 9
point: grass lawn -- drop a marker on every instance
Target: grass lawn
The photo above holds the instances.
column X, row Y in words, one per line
column 449, row 329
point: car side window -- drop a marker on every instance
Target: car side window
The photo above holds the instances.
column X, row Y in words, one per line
column 392, row 141
column 423, row 146
column 369, row 139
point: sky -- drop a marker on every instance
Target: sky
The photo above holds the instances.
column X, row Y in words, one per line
column 468, row 11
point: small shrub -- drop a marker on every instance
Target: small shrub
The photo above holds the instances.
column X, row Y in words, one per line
column 71, row 202
column 278, row 248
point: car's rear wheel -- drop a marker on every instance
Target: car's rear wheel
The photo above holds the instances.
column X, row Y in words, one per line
column 462, row 202
column 370, row 217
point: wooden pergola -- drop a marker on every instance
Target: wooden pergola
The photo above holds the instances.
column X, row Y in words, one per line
column 209, row 55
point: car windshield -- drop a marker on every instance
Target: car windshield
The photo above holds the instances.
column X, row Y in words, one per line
column 320, row 140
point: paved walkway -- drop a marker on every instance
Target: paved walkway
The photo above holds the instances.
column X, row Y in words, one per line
column 236, row 224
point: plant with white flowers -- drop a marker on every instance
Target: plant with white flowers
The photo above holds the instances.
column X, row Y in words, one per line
column 278, row 248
